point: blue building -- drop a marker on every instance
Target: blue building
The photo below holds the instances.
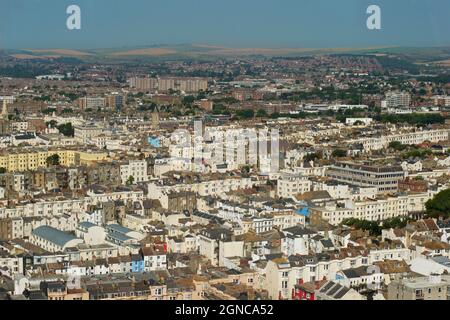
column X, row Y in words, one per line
column 304, row 211
column 137, row 263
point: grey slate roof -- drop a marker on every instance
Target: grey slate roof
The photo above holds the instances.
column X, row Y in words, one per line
column 86, row 224
column 53, row 235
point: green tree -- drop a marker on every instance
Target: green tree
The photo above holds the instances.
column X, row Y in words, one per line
column 339, row 153
column 372, row 226
column 130, row 180
column 188, row 100
column 53, row 160
column 275, row 115
column 67, row 110
column 245, row 114
column 51, row 123
column 2, row 170
column 66, row 129
column 439, row 206
column 261, row 113
column 48, row 111
column 397, row 145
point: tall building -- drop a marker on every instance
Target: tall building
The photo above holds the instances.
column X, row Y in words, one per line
column 385, row 179
column 397, row 99
column 114, row 101
column 91, row 102
column 165, row 84
column 143, row 83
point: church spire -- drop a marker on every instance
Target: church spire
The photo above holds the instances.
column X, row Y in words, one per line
column 4, row 109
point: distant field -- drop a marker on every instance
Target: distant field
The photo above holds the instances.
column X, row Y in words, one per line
column 144, row 52
column 184, row 50
column 254, row 51
column 23, row 56
column 439, row 56
column 61, row 52
column 443, row 63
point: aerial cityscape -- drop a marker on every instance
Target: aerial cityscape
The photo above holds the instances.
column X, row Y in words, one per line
column 202, row 169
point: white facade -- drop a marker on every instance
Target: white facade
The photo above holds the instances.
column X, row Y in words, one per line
column 289, row 185
column 136, row 169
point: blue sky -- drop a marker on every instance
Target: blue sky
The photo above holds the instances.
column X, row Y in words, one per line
column 234, row 23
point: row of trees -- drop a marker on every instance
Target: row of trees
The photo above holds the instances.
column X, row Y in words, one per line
column 375, row 227
column 412, row 118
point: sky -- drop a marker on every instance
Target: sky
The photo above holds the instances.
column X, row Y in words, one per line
column 233, row 23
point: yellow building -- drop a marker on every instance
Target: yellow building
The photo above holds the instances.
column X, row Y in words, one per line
column 17, row 162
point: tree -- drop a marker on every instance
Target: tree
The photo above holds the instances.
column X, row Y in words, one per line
column 67, row 110
column 275, row 115
column 245, row 169
column 53, row 160
column 413, row 118
column 439, row 206
column 261, row 113
column 395, row 222
column 2, row 170
column 66, row 129
column 397, row 145
column 372, row 226
column 48, row 111
column 339, row 153
column 188, row 100
column 130, row 180
column 245, row 114
column 51, row 123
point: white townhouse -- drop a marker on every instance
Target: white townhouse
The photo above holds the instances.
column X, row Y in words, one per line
column 136, row 169
column 289, row 185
